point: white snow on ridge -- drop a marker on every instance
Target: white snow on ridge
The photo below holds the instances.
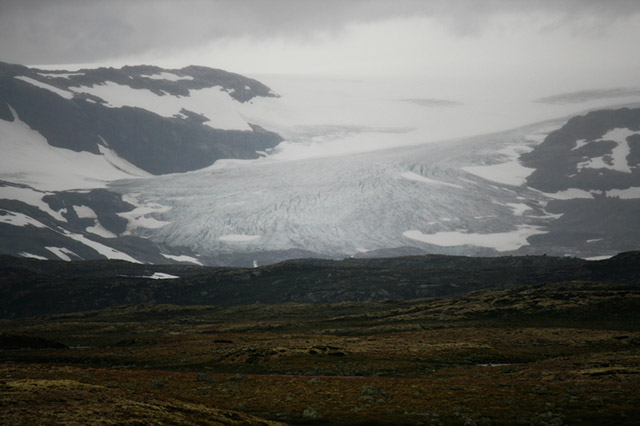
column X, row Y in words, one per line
column 617, row 160
column 98, row 229
column 502, row 241
column 419, row 178
column 32, row 256
column 120, row 163
column 23, row 150
column 32, row 197
column 63, row 253
column 625, row 194
column 65, row 75
column 65, row 94
column 85, row 212
column 167, row 76
column 217, row 105
column 19, row 219
column 182, row 258
column 108, row 252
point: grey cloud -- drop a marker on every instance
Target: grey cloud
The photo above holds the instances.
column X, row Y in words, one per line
column 68, row 31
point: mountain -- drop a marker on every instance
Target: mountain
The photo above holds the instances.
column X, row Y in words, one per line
column 161, row 121
column 64, row 135
column 187, row 165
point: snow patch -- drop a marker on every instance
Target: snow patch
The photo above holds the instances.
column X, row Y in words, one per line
column 139, row 217
column 569, row 194
column 162, row 276
column 182, row 258
column 23, row 151
column 579, row 144
column 62, row 253
column 32, row 256
column 19, row 219
column 217, row 105
column 604, row 257
column 617, row 160
column 502, row 241
column 84, row 212
column 106, row 251
column 101, row 231
column 31, row 197
column 626, row 194
column 510, row 173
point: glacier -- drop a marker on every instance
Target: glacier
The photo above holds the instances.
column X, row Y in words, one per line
column 342, row 205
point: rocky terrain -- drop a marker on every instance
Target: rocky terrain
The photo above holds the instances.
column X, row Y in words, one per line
column 564, row 353
column 35, row 287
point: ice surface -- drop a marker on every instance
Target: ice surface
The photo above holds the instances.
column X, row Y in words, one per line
column 419, row 178
column 238, row 238
column 64, row 93
column 508, row 171
column 518, row 208
column 337, row 205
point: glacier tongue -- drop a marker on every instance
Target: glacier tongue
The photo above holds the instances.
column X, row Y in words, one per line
column 342, row 205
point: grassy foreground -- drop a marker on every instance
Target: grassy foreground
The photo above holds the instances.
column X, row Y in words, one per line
column 552, row 354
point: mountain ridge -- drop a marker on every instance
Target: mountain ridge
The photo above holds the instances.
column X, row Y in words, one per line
column 37, row 287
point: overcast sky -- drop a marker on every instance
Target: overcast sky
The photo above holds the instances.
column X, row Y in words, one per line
column 582, row 43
